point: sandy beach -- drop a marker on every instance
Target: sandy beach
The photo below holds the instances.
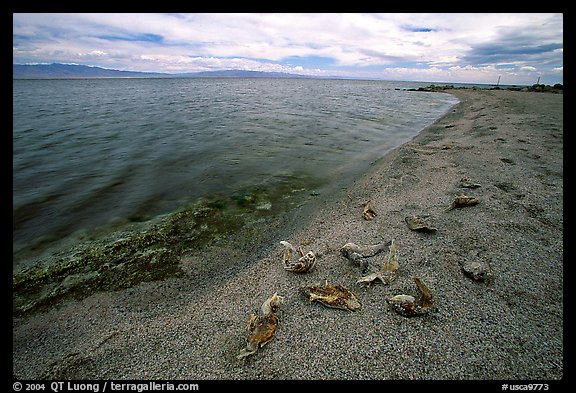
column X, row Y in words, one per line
column 507, row 326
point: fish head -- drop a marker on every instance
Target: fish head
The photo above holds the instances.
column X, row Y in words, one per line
column 276, row 301
column 352, row 303
column 308, row 259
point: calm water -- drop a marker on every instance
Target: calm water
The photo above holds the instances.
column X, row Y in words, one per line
column 87, row 152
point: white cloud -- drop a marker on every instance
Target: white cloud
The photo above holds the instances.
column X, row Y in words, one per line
column 96, row 53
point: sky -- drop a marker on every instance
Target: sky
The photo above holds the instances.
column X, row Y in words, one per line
column 451, row 48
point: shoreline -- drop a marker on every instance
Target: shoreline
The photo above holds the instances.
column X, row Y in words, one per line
column 508, row 327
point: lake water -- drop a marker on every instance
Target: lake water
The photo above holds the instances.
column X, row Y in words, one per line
column 94, row 151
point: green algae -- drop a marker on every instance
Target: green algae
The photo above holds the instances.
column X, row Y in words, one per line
column 150, row 250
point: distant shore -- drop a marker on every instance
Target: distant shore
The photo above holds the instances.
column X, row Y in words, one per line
column 505, row 324
column 538, row 88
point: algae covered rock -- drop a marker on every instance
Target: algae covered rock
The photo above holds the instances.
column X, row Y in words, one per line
column 147, row 251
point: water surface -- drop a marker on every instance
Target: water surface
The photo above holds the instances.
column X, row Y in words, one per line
column 90, row 152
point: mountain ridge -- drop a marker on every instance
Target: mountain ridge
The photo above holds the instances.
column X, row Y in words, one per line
column 77, row 71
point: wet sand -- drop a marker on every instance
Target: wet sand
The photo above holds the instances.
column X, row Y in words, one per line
column 507, row 327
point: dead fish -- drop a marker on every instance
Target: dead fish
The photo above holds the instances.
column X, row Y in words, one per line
column 389, row 270
column 409, row 306
column 357, row 253
column 334, row 296
column 463, row 200
column 417, row 223
column 304, row 263
column 262, row 327
column 465, row 182
column 369, row 213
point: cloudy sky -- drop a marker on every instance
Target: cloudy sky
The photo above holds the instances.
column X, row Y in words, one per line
column 475, row 48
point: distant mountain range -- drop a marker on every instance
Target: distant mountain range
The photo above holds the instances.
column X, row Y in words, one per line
column 74, row 71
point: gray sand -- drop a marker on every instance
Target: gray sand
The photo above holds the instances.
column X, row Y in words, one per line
column 509, row 327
